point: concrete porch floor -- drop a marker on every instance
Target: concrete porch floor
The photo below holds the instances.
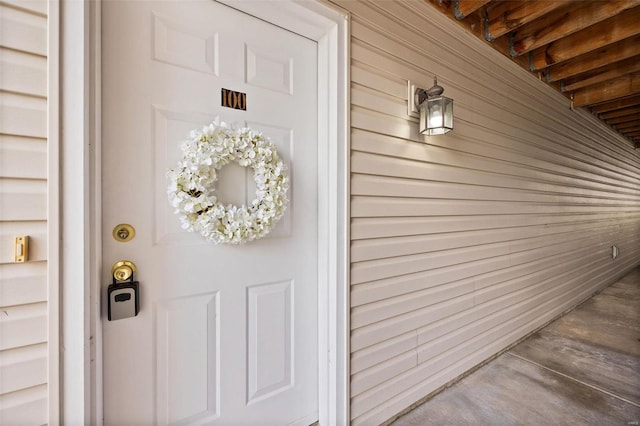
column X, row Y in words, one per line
column 582, row 369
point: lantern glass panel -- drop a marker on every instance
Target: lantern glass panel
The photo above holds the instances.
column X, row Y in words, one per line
column 437, row 131
column 423, row 117
column 448, row 113
column 436, row 116
column 434, row 113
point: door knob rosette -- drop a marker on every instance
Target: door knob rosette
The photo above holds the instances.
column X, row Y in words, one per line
column 123, row 270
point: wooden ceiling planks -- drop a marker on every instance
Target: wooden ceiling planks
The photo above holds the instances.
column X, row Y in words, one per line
column 603, row 34
column 594, row 60
column 505, row 17
column 464, row 8
column 589, row 50
column 572, row 18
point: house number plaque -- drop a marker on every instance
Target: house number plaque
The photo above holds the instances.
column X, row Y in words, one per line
column 235, row 100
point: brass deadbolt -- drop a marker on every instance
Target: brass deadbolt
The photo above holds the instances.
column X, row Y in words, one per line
column 123, row 232
column 123, row 270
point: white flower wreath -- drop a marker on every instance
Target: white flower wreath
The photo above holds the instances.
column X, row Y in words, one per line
column 191, row 184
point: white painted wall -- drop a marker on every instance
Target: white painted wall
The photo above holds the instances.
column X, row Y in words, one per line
column 23, row 211
column 462, row 244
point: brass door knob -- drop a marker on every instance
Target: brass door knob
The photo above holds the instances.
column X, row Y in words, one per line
column 123, row 270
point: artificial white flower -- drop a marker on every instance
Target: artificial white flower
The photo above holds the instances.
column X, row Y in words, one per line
column 191, row 184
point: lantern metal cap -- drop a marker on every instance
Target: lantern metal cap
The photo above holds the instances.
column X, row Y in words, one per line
column 435, row 90
column 421, row 94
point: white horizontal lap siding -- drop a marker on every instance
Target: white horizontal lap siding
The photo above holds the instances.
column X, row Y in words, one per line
column 464, row 243
column 23, row 211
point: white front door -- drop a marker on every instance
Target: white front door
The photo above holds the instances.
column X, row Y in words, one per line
column 225, row 334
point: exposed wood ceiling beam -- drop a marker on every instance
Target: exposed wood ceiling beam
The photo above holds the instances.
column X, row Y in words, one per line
column 507, row 16
column 602, row 34
column 617, row 104
column 619, row 113
column 623, row 119
column 596, row 59
column 609, row 72
column 474, row 24
column 575, row 17
column 607, row 91
column 589, row 50
column 633, row 135
column 624, row 126
column 464, row 8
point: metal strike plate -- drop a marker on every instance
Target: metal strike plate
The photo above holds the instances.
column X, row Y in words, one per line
column 21, row 249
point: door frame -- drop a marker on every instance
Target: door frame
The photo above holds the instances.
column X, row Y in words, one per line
column 80, row 207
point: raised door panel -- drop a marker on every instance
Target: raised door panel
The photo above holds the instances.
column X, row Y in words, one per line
column 187, row 359
column 270, row 339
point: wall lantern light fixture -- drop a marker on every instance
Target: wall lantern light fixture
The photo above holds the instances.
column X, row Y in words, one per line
column 436, row 111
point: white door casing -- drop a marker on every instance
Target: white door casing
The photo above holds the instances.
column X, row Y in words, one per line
column 226, row 333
